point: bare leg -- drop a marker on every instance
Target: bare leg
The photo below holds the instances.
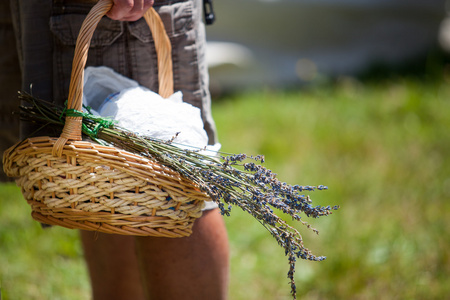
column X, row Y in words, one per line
column 191, row 268
column 113, row 266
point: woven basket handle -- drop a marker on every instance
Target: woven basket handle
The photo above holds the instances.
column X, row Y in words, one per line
column 72, row 127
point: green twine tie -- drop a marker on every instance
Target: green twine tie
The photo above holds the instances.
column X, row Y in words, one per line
column 90, row 131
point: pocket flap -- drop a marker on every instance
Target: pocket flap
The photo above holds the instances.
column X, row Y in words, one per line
column 66, row 28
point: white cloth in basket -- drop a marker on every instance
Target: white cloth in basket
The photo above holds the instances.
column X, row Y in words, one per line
column 140, row 110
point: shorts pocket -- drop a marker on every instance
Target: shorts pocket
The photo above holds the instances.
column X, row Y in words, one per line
column 177, row 19
column 179, row 23
column 103, row 48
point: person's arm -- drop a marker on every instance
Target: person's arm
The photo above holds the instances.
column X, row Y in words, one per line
column 129, row 10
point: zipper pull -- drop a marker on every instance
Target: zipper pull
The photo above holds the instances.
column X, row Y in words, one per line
column 210, row 17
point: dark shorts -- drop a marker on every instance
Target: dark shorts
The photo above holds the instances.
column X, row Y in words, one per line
column 46, row 32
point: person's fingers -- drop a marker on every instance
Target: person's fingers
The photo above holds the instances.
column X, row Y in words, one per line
column 129, row 10
column 120, row 9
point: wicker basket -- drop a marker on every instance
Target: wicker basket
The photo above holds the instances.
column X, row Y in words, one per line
column 79, row 184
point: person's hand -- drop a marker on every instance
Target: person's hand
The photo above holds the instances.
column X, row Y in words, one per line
column 129, row 10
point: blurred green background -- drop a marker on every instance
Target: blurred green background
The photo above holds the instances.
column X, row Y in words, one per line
column 381, row 145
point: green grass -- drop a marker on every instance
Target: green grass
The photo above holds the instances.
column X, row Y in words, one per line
column 37, row 263
column 381, row 147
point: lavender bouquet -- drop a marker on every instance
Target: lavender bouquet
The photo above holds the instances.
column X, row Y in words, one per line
column 230, row 180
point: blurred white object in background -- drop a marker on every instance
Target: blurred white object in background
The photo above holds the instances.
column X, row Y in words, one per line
column 289, row 42
column 444, row 30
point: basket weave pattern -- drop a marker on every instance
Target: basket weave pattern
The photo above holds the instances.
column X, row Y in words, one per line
column 79, row 184
column 104, row 189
